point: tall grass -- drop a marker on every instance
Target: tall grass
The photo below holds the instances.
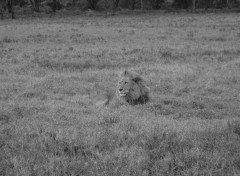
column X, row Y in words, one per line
column 53, row 70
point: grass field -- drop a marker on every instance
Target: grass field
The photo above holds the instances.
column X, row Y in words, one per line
column 54, row 69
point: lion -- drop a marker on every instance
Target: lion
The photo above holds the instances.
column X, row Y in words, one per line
column 131, row 89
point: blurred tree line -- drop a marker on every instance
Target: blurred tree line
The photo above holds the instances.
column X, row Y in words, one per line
column 114, row 5
column 131, row 4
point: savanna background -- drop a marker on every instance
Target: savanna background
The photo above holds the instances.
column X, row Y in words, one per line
column 54, row 68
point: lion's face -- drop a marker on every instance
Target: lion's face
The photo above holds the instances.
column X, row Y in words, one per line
column 127, row 87
column 131, row 88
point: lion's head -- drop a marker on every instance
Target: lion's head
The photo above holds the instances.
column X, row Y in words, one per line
column 132, row 89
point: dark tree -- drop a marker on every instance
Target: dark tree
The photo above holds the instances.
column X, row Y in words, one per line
column 1, row 10
column 6, row 5
column 23, row 3
column 132, row 4
column 93, row 4
column 156, row 4
column 182, row 4
column 208, row 4
column 55, row 5
column 115, row 4
column 35, row 5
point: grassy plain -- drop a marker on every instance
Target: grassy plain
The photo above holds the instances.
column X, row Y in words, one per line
column 54, row 69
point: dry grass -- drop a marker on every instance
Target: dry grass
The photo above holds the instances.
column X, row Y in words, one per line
column 54, row 69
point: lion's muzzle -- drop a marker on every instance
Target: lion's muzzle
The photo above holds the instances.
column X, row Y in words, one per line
column 121, row 94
